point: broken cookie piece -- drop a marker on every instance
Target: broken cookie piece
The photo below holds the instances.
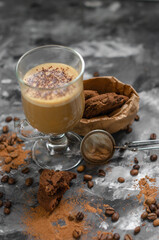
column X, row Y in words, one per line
column 103, row 104
column 52, row 186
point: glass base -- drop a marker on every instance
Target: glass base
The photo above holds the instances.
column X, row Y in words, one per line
column 58, row 153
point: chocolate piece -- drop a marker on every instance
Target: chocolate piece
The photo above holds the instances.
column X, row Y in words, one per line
column 8, row 204
column 103, row 104
column 136, row 160
column 121, row 180
column 52, row 186
column 153, row 157
column 90, row 93
column 137, row 230
column 137, row 118
column 90, row 184
column 153, row 136
column 6, row 211
column 28, row 181
column 4, row 179
column 136, row 166
column 11, row 181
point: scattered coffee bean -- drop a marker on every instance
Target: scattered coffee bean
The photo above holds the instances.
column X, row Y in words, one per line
column 153, row 157
column 148, row 209
column 90, row 184
column 76, row 234
column 8, row 119
column 109, row 211
column 87, row 177
column 10, row 141
column 153, row 136
column 116, row 236
column 10, row 149
column 150, row 200
column 157, row 205
column 25, row 170
column 96, row 74
column 137, row 230
column 5, row 129
column 8, row 204
column 151, row 216
column 101, row 173
column 153, row 208
column 1, row 203
column 7, row 160
column 11, row 181
column 128, row 130
column 121, row 180
column 14, row 136
column 109, row 237
column 79, row 216
column 1, row 138
column 6, row 211
column 16, row 119
column 115, row 217
column 4, row 179
column 19, row 140
column 70, row 217
column 102, row 237
column 128, row 237
column 14, row 154
column 157, row 212
column 136, row 166
column 28, row 181
column 156, row 222
column 136, row 160
column 80, row 168
column 137, row 118
column 2, row 147
column 134, row 172
column 1, row 194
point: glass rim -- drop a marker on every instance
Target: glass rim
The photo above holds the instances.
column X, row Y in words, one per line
column 50, row 46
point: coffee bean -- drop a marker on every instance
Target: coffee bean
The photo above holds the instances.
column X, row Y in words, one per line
column 10, row 141
column 14, row 154
column 128, row 237
column 2, row 147
column 5, row 129
column 79, row 216
column 134, row 172
column 116, row 236
column 136, row 160
column 80, row 168
column 8, row 204
column 137, row 118
column 128, row 130
column 157, row 212
column 136, row 166
column 148, row 209
column 90, row 184
column 6, row 211
column 144, row 215
column 28, row 181
column 153, row 136
column 10, row 149
column 156, row 222
column 101, row 173
column 8, row 119
column 153, row 157
column 151, row 216
column 1, row 138
column 153, row 208
column 19, row 140
column 25, row 170
column 76, row 234
column 109, row 237
column 1, row 203
column 102, row 237
column 109, row 211
column 137, row 230
column 4, row 179
column 16, row 119
column 150, row 200
column 70, row 217
column 121, row 180
column 87, row 177
column 1, row 194
column 14, row 136
column 11, row 181
column 7, row 160
column 115, row 217
column 96, row 74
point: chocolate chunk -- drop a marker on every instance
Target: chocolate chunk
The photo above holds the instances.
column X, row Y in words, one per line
column 76, row 234
column 153, row 157
column 1, row 203
column 80, row 168
column 79, row 216
column 101, row 173
column 153, row 136
column 8, row 119
column 109, row 211
column 136, row 166
column 25, row 170
column 128, row 237
column 8, row 204
column 1, row 194
column 115, row 216
column 156, row 222
column 116, row 236
column 137, row 118
column 4, row 179
column 5, row 129
column 87, row 177
column 121, row 180
column 6, row 211
column 136, row 160
column 28, row 181
column 52, row 186
column 151, row 216
column 134, row 172
column 11, row 181
column 144, row 215
column 90, row 184
column 137, row 230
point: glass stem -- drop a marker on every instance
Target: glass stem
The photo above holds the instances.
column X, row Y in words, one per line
column 57, row 143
